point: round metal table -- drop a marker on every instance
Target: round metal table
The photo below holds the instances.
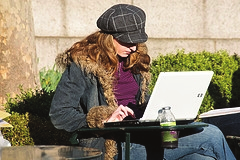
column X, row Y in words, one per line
column 129, row 130
column 45, row 152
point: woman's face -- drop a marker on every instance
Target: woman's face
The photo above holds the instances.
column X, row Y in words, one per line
column 124, row 49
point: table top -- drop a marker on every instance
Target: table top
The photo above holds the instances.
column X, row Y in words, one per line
column 47, row 152
column 144, row 128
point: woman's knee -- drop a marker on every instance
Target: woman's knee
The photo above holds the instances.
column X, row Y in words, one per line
column 213, row 131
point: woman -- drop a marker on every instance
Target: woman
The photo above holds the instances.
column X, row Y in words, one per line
column 105, row 79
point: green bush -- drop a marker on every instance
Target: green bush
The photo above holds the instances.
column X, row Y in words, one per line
column 29, row 114
column 49, row 78
column 225, row 85
column 18, row 135
column 31, row 123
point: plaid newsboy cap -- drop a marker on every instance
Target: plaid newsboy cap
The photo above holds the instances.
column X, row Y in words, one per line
column 124, row 22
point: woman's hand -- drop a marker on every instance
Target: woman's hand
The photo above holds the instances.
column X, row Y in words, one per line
column 120, row 113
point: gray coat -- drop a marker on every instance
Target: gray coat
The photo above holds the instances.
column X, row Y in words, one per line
column 79, row 90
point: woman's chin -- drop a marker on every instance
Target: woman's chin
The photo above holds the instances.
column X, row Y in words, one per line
column 124, row 55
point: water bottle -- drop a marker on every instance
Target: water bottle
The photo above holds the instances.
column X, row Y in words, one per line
column 169, row 138
column 159, row 117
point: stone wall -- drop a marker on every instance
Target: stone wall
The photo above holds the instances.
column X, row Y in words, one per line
column 193, row 25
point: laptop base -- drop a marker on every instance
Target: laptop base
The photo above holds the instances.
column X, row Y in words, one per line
column 128, row 123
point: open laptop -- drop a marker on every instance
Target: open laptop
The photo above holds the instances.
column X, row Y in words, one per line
column 183, row 91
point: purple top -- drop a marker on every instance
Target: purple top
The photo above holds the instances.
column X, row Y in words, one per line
column 126, row 87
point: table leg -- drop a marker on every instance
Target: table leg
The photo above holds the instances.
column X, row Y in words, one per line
column 127, row 149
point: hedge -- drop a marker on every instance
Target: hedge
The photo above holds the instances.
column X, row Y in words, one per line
column 224, row 89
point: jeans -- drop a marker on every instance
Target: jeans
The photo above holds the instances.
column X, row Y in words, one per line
column 206, row 144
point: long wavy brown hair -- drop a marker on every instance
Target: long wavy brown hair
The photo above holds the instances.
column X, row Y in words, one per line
column 100, row 49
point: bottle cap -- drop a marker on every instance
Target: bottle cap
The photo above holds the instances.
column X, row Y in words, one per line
column 167, row 107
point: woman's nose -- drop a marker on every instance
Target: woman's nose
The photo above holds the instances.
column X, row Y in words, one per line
column 133, row 48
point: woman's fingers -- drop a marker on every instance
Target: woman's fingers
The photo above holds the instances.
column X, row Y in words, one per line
column 127, row 111
column 130, row 112
column 120, row 113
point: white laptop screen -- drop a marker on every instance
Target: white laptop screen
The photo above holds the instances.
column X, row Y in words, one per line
column 183, row 91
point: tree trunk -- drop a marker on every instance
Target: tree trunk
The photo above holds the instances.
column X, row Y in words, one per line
column 18, row 65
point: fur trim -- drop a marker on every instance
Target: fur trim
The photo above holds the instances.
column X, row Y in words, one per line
column 111, row 149
column 105, row 79
column 97, row 115
column 144, row 86
column 63, row 60
column 95, row 118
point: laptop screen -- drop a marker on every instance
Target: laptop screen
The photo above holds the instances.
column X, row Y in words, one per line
column 183, row 91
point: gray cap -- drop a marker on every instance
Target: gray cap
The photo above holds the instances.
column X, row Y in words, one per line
column 125, row 22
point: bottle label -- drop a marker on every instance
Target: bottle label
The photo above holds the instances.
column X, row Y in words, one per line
column 169, row 136
column 168, row 124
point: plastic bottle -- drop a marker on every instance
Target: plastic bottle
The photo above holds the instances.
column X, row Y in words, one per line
column 169, row 138
column 159, row 115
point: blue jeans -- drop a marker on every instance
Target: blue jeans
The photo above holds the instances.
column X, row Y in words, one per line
column 207, row 144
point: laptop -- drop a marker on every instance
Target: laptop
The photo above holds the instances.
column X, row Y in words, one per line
column 183, row 91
